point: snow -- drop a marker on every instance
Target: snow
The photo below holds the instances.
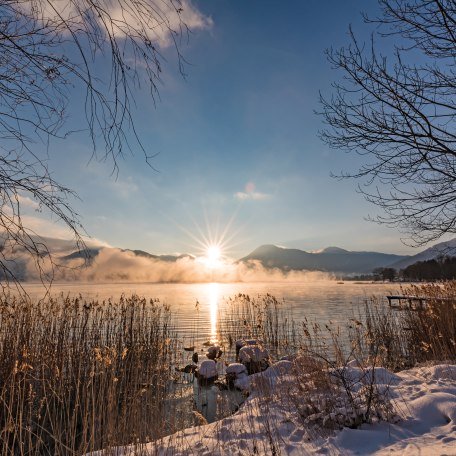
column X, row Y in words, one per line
column 236, row 368
column 270, row 421
column 208, row 368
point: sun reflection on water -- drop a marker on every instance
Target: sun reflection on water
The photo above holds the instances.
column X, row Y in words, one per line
column 213, row 295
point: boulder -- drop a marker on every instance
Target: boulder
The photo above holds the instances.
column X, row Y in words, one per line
column 254, row 357
column 214, row 352
column 207, row 372
column 234, row 373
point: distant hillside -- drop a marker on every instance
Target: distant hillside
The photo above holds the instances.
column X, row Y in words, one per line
column 64, row 253
column 170, row 258
column 90, row 254
column 87, row 254
column 447, row 248
column 331, row 259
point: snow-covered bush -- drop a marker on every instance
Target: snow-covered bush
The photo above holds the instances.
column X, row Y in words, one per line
column 347, row 396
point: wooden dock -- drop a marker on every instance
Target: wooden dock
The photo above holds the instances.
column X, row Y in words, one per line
column 402, row 302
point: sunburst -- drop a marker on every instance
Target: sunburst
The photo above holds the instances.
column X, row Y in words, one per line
column 213, row 255
column 213, row 241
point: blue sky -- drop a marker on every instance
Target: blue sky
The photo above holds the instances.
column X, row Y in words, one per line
column 237, row 142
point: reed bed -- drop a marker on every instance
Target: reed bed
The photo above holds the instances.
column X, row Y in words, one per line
column 80, row 376
column 407, row 337
column 335, row 366
column 262, row 318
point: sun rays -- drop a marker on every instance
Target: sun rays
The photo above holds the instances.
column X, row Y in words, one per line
column 213, row 240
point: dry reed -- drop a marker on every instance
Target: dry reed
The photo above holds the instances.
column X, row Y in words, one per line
column 407, row 337
column 262, row 318
column 80, row 376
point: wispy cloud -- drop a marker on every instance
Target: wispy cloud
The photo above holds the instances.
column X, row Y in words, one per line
column 250, row 193
column 124, row 187
column 27, row 202
column 46, row 227
column 251, row 196
column 160, row 20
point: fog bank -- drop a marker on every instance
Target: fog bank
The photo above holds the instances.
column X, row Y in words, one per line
column 117, row 265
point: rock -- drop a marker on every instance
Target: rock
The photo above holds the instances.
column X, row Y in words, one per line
column 239, row 344
column 214, row 352
column 254, row 357
column 253, row 342
column 207, row 372
column 235, row 372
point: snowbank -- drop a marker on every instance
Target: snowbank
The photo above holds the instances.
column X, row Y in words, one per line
column 269, row 422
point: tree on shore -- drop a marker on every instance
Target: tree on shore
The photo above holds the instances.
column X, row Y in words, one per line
column 50, row 49
column 385, row 274
column 397, row 109
column 437, row 269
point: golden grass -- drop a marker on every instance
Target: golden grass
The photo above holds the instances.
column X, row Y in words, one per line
column 79, row 376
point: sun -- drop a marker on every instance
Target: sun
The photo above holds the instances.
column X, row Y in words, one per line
column 213, row 254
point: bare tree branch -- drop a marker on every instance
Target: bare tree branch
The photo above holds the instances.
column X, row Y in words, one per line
column 399, row 112
column 48, row 49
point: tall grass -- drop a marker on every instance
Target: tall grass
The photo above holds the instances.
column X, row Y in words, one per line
column 79, row 376
column 336, row 368
column 261, row 318
column 408, row 337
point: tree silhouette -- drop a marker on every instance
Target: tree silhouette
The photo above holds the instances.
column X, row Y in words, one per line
column 49, row 49
column 399, row 113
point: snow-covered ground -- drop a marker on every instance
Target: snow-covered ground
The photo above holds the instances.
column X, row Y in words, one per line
column 271, row 421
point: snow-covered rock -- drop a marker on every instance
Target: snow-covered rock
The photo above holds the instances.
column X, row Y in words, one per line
column 254, row 357
column 253, row 353
column 243, row 342
column 208, row 369
column 235, row 373
column 236, row 368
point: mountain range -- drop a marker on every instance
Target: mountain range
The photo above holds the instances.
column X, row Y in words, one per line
column 330, row 259
column 335, row 259
column 447, row 248
column 90, row 254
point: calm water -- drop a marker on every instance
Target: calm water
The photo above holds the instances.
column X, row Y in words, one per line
column 196, row 306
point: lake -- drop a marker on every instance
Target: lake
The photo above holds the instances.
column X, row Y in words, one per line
column 195, row 307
